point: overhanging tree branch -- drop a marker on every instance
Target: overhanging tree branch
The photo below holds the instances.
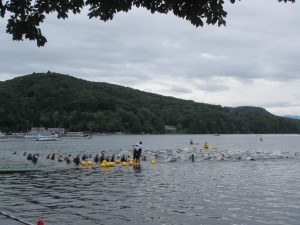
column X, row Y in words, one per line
column 27, row 15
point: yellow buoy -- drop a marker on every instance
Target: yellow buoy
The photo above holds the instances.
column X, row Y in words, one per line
column 118, row 161
column 103, row 164
column 104, row 161
column 124, row 163
column 89, row 163
column 153, row 162
column 130, row 163
column 112, row 164
column 83, row 163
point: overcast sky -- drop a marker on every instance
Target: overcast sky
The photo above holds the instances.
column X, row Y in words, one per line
column 253, row 61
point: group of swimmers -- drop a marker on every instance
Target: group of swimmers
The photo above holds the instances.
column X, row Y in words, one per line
column 137, row 151
column 60, row 158
column 32, row 157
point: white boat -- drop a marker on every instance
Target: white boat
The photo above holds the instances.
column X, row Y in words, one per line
column 77, row 135
column 47, row 139
column 40, row 134
column 2, row 135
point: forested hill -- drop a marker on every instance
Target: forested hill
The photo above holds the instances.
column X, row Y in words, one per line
column 56, row 100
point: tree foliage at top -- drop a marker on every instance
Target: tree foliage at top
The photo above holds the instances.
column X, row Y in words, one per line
column 27, row 15
column 55, row 100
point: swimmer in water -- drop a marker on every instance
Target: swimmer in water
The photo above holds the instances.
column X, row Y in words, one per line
column 35, row 158
column 113, row 158
column 192, row 157
column 77, row 160
column 191, row 141
column 29, row 156
column 69, row 158
column 84, row 157
column 109, row 159
column 97, row 158
column 205, row 145
column 60, row 158
column 123, row 159
column 174, row 159
column 102, row 157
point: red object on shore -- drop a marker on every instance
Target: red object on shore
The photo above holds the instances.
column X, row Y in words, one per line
column 40, row 222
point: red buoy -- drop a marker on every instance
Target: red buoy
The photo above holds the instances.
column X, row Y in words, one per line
column 40, row 222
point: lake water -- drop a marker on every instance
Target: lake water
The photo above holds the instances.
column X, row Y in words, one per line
column 242, row 180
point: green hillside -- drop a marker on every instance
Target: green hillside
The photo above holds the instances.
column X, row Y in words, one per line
column 56, row 100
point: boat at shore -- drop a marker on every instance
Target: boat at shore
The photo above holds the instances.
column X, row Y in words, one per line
column 48, row 139
column 40, row 135
column 2, row 135
column 75, row 135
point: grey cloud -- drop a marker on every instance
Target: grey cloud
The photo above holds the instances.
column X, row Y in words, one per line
column 260, row 41
column 179, row 89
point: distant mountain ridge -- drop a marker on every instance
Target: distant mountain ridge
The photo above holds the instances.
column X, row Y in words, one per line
column 57, row 100
column 250, row 111
column 292, row 117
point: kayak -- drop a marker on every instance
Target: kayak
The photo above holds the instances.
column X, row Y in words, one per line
column 209, row 148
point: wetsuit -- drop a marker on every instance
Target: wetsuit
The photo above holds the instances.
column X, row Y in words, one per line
column 77, row 160
column 136, row 155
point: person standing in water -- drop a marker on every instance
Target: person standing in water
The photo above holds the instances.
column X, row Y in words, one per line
column 140, row 150
column 137, row 152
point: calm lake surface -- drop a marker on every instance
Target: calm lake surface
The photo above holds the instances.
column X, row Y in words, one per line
column 242, row 180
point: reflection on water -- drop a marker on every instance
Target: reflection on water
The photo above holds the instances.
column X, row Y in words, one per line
column 208, row 191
